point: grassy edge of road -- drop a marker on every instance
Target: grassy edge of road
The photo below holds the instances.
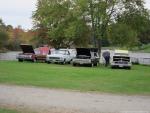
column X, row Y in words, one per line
column 97, row 79
column 7, row 110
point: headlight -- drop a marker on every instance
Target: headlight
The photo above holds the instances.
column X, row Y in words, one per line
column 61, row 58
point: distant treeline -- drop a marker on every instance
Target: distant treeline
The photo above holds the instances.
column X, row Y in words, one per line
column 11, row 38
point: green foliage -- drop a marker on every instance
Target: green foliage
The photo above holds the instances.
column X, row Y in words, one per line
column 138, row 20
column 63, row 27
column 71, row 22
column 101, row 79
column 3, row 39
column 122, row 35
column 3, row 35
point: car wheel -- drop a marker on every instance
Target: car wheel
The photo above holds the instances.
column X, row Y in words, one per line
column 20, row 60
column 96, row 64
column 48, row 62
column 70, row 61
column 129, row 68
column 34, row 60
column 74, row 64
column 91, row 65
column 112, row 67
column 64, row 62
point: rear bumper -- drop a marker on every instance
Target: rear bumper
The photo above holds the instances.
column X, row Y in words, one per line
column 82, row 61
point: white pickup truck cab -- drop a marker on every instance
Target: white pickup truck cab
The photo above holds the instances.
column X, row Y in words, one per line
column 121, row 59
column 62, row 56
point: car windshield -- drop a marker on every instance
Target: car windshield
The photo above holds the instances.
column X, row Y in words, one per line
column 63, row 52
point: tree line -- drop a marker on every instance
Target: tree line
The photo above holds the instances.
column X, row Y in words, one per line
column 82, row 23
column 11, row 38
column 94, row 23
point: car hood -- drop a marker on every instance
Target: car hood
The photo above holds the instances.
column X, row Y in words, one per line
column 27, row 48
column 56, row 55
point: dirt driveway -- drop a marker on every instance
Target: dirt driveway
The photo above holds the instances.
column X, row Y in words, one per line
column 62, row 101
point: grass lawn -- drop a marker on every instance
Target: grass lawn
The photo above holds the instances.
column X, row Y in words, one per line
column 7, row 111
column 100, row 79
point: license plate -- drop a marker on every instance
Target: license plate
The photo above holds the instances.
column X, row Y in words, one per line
column 120, row 65
column 81, row 62
column 53, row 60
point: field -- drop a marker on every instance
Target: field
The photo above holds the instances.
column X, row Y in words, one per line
column 99, row 79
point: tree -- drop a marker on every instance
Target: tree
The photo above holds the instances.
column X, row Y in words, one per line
column 63, row 25
column 122, row 35
column 138, row 20
column 3, row 35
column 68, row 22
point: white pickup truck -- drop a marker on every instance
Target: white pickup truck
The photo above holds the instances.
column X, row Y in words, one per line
column 121, row 59
column 62, row 56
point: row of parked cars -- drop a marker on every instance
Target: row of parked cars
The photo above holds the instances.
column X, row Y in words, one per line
column 78, row 56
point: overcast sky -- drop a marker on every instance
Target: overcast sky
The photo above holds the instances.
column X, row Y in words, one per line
column 19, row 12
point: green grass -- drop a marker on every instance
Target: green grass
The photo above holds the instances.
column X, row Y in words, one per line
column 100, row 79
column 7, row 111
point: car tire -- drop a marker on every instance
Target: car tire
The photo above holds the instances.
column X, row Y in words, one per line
column 129, row 68
column 64, row 62
column 48, row 62
column 70, row 61
column 74, row 64
column 92, row 65
column 96, row 64
column 112, row 67
column 34, row 60
column 20, row 60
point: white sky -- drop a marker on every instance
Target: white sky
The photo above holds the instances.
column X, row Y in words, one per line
column 19, row 12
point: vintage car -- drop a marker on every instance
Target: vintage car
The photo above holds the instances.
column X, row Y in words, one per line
column 62, row 56
column 41, row 53
column 121, row 59
column 86, row 56
column 29, row 54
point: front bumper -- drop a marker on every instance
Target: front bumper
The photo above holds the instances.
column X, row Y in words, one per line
column 25, row 57
column 55, row 60
column 121, row 65
column 81, row 61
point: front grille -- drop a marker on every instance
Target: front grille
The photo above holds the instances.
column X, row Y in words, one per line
column 121, row 59
column 55, row 58
column 121, row 62
column 83, row 57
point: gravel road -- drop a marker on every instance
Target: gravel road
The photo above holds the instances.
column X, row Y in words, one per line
column 42, row 100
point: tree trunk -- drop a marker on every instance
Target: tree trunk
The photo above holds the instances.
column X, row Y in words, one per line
column 99, row 46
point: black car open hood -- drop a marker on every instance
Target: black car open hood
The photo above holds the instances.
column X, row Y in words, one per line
column 26, row 48
column 86, row 51
column 83, row 51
